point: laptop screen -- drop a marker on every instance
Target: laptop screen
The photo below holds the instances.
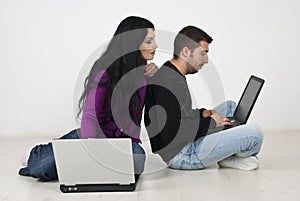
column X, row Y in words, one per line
column 248, row 99
column 86, row 161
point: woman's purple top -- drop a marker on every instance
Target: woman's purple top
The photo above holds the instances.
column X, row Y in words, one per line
column 96, row 117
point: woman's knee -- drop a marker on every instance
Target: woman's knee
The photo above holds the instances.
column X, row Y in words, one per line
column 139, row 158
column 137, row 149
column 74, row 134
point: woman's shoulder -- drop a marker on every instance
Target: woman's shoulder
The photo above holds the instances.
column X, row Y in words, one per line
column 101, row 76
column 100, row 80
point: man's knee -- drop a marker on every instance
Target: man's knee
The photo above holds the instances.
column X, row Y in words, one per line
column 255, row 132
column 230, row 103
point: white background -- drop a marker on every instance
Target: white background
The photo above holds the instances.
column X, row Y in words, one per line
column 45, row 43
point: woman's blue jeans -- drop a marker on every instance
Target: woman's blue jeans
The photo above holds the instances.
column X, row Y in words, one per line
column 41, row 163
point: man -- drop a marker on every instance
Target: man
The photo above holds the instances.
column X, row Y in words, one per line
column 181, row 135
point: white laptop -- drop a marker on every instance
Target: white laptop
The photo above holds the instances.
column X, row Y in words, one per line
column 94, row 165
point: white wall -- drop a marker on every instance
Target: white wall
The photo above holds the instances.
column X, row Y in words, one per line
column 44, row 44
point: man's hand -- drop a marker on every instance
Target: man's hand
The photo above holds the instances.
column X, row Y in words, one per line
column 150, row 70
column 208, row 113
column 220, row 121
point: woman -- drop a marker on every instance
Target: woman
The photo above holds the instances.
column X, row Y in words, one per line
column 103, row 103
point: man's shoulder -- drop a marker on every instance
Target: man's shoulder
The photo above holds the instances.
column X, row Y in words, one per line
column 163, row 76
column 167, row 71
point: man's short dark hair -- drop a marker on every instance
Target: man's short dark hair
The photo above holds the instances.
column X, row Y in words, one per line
column 190, row 37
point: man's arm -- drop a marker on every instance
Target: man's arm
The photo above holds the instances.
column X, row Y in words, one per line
column 182, row 124
column 220, row 120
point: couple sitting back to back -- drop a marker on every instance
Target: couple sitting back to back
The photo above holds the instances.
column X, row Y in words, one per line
column 110, row 107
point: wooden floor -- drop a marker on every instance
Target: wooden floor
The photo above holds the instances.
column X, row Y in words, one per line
column 277, row 178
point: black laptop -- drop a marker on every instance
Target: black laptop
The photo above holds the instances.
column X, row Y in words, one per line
column 246, row 103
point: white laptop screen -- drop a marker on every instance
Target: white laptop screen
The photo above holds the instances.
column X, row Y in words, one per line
column 94, row 161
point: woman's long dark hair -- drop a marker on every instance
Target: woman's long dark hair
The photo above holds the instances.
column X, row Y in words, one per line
column 121, row 55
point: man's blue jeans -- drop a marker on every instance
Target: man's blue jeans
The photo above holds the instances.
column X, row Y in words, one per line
column 243, row 141
column 41, row 163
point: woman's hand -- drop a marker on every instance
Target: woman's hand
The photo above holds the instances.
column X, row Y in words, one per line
column 150, row 70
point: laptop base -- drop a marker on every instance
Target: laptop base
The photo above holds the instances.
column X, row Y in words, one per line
column 97, row 188
column 234, row 123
